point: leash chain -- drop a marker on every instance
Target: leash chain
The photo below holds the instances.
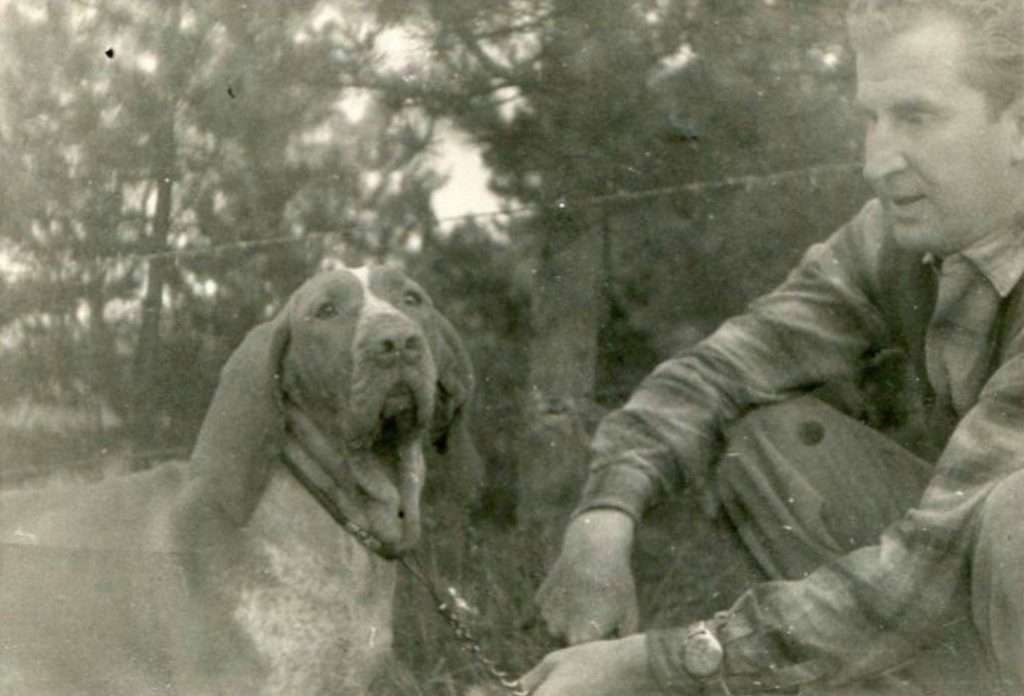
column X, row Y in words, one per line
column 449, row 610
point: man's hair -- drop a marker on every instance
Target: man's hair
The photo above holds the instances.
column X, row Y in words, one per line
column 994, row 29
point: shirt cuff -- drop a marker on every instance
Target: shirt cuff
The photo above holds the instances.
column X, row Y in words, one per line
column 664, row 659
column 736, row 661
column 617, row 486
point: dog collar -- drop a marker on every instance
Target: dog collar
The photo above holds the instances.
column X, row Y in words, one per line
column 328, row 503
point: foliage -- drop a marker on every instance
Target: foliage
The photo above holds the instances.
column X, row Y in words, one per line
column 574, row 106
column 577, row 105
column 134, row 130
column 174, row 169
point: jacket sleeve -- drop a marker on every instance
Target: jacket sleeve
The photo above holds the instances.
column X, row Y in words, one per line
column 817, row 326
column 875, row 608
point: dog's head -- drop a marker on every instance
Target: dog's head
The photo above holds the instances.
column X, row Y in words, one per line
column 353, row 374
column 359, row 361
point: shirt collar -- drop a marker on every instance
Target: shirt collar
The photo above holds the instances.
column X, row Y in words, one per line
column 999, row 257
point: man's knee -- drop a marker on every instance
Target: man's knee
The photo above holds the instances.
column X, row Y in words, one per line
column 806, row 439
column 774, row 480
column 800, row 471
column 773, row 436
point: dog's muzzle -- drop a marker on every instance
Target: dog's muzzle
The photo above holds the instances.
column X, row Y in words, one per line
column 393, row 341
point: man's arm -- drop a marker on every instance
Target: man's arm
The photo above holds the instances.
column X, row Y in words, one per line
column 817, row 326
column 876, row 607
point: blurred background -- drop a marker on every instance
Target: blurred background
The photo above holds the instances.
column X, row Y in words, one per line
column 583, row 186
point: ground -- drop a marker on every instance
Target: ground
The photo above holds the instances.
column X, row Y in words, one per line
column 687, row 567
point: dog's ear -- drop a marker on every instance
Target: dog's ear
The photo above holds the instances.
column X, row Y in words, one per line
column 243, row 431
column 455, row 381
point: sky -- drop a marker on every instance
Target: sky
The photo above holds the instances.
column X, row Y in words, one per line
column 466, row 190
column 457, row 158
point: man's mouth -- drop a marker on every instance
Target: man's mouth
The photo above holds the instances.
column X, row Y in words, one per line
column 905, row 201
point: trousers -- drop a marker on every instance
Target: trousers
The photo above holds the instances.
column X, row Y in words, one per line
column 803, row 483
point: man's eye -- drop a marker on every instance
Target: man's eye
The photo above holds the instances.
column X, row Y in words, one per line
column 915, row 117
column 326, row 311
column 412, row 298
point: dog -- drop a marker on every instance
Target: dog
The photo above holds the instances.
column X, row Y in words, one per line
column 263, row 565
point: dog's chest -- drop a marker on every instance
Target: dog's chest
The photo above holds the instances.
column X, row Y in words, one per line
column 315, row 603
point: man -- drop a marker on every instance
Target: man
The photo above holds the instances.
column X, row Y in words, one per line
column 879, row 559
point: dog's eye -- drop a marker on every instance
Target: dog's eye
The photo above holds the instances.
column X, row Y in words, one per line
column 326, row 311
column 412, row 298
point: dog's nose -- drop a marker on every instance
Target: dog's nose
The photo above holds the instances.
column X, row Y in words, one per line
column 390, row 347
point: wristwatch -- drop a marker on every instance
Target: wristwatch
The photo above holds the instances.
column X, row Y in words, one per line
column 702, row 652
column 688, row 660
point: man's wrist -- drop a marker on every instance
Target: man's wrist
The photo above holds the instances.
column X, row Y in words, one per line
column 612, row 524
column 663, row 661
column 620, row 486
column 685, row 660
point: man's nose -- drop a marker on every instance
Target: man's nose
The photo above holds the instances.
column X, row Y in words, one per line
column 883, row 153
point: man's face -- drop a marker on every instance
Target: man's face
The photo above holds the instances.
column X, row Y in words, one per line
column 940, row 161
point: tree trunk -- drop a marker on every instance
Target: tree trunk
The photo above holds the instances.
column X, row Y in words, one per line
column 102, row 362
column 568, row 310
column 146, row 364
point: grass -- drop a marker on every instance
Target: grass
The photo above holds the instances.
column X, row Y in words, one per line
column 687, row 567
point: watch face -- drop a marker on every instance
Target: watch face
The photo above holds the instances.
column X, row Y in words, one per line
column 702, row 653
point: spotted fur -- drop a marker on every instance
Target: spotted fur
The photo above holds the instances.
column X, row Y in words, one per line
column 223, row 575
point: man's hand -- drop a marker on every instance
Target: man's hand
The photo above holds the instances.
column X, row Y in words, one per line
column 590, row 593
column 611, row 667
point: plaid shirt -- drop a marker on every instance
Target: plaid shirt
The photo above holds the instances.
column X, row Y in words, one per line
column 876, row 607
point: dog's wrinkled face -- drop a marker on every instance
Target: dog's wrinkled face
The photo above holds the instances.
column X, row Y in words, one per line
column 359, row 366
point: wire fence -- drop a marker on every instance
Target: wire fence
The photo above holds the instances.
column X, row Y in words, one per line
column 140, row 457
column 747, row 182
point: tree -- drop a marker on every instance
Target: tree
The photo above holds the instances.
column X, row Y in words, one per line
column 582, row 108
column 184, row 166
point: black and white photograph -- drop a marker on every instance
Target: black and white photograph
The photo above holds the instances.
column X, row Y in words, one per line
column 511, row 347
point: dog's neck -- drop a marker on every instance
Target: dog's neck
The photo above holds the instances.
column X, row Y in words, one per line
column 311, row 457
column 317, row 605
column 318, row 483
column 361, row 490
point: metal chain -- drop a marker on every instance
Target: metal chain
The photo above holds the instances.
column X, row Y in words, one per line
column 449, row 610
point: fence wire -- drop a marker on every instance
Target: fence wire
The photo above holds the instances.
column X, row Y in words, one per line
column 747, row 182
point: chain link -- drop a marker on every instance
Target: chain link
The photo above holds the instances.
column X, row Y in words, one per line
column 449, row 611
